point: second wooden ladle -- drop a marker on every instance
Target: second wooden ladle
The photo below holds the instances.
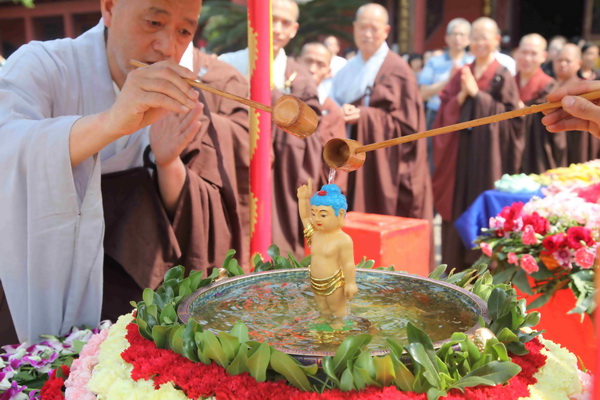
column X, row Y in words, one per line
column 289, row 112
column 349, row 155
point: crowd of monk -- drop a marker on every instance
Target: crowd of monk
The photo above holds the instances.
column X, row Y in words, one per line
column 129, row 197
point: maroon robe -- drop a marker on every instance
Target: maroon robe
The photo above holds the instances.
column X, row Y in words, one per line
column 394, row 180
column 332, row 126
column 468, row 162
column 295, row 161
column 142, row 238
column 231, row 122
column 543, row 150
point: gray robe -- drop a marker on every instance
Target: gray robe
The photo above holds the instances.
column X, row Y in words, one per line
column 52, row 214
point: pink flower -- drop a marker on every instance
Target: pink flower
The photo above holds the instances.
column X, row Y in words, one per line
column 585, row 258
column 528, row 264
column 563, row 256
column 512, row 216
column 486, row 249
column 513, row 259
column 528, row 236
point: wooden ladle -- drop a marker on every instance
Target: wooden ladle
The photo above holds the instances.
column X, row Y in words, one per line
column 289, row 112
column 349, row 155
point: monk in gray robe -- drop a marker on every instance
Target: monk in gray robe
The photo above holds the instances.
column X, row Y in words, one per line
column 294, row 160
column 85, row 137
column 468, row 162
column 380, row 98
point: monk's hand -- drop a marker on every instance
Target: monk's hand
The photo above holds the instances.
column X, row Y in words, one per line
column 149, row 93
column 304, row 192
column 350, row 289
column 468, row 82
column 576, row 114
column 170, row 135
column 351, row 113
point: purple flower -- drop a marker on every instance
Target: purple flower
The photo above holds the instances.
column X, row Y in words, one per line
column 15, row 363
column 12, row 391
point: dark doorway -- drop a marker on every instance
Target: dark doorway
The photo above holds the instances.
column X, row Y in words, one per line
column 549, row 18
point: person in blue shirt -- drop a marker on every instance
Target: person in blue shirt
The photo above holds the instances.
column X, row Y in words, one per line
column 439, row 69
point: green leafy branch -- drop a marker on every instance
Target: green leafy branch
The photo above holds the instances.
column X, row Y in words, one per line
column 455, row 365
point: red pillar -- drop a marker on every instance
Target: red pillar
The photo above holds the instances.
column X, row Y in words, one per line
column 259, row 63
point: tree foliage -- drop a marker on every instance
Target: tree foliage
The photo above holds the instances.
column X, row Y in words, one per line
column 225, row 26
column 26, row 3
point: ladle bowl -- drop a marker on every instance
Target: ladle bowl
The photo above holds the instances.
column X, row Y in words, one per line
column 295, row 116
column 340, row 154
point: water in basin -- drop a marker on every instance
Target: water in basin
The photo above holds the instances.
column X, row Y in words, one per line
column 278, row 307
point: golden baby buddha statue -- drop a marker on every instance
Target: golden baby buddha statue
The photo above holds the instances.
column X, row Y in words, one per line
column 332, row 269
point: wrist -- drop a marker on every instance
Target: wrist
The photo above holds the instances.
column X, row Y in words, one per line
column 174, row 166
column 104, row 127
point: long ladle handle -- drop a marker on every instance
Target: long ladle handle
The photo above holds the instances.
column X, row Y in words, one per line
column 227, row 95
column 469, row 124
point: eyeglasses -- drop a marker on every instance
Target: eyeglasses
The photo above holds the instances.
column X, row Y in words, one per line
column 463, row 34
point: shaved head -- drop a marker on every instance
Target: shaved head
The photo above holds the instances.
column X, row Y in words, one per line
column 375, row 9
column 317, row 59
column 289, row 3
column 530, row 55
column 567, row 62
column 370, row 29
column 487, row 24
column 534, row 38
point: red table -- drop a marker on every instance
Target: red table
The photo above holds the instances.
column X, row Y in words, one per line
column 568, row 330
column 402, row 242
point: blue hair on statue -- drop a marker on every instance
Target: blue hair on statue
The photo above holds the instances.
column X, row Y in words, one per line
column 330, row 195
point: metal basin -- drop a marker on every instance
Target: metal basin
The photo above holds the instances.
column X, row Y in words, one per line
column 278, row 307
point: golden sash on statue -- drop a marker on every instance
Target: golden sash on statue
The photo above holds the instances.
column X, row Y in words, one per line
column 326, row 286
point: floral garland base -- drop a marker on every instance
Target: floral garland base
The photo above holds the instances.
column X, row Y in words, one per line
column 128, row 364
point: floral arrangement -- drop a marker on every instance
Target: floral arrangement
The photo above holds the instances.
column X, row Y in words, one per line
column 24, row 368
column 150, row 355
column 547, row 244
column 131, row 366
column 567, row 178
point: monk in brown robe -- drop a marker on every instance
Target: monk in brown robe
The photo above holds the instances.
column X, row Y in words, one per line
column 469, row 161
column 142, row 241
column 294, row 160
column 581, row 147
column 543, row 150
column 316, row 57
column 231, row 121
column 381, row 100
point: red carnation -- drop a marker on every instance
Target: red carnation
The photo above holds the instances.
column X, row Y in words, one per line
column 554, row 242
column 578, row 236
column 540, row 224
column 511, row 214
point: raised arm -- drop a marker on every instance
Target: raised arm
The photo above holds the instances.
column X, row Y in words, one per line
column 148, row 94
column 304, row 192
